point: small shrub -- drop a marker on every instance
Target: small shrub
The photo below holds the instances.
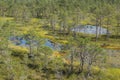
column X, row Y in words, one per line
column 18, row 51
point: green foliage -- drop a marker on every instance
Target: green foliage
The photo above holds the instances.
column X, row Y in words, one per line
column 26, row 18
column 110, row 74
column 19, row 51
column 48, row 52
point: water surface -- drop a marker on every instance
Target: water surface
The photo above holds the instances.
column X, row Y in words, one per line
column 89, row 29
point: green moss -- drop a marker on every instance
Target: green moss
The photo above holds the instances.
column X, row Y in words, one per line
column 110, row 74
column 18, row 51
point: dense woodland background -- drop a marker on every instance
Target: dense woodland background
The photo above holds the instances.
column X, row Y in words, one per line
column 68, row 13
column 81, row 57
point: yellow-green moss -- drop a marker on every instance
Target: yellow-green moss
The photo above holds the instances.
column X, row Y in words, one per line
column 19, row 49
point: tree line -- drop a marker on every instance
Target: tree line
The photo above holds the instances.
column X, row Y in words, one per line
column 66, row 13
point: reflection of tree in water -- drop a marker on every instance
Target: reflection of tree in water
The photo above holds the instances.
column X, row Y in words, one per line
column 56, row 46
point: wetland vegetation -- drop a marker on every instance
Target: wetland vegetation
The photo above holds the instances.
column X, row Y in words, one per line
column 59, row 40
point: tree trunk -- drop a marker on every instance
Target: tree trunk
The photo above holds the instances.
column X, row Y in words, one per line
column 108, row 34
column 71, row 64
column 81, row 62
column 97, row 29
column 89, row 68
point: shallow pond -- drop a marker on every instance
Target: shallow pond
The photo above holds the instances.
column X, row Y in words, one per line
column 21, row 41
column 89, row 29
